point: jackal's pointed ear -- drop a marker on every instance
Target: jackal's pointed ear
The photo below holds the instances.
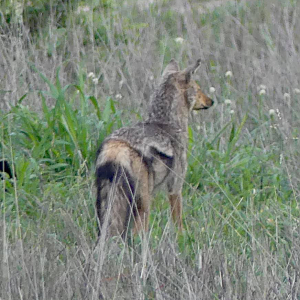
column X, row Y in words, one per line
column 189, row 71
column 171, row 67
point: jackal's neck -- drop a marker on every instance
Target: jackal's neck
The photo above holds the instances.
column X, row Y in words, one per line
column 167, row 106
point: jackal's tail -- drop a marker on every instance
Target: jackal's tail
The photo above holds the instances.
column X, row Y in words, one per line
column 115, row 198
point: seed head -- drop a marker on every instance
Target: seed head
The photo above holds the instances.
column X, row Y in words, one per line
column 82, row 8
column 297, row 91
column 95, row 80
column 278, row 113
column 261, row 87
column 271, row 112
column 228, row 74
column 179, row 40
column 262, row 92
column 286, row 96
column 212, row 89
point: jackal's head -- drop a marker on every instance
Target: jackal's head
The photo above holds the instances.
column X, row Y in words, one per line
column 195, row 99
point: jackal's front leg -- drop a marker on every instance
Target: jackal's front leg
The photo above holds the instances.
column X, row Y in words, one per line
column 176, row 209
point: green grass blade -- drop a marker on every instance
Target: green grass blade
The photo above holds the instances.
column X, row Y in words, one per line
column 96, row 106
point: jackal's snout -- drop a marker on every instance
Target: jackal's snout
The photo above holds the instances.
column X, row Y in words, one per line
column 202, row 101
column 205, row 103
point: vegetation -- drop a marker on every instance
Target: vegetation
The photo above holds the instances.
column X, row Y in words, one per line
column 73, row 71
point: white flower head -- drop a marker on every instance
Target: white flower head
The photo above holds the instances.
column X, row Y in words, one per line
column 286, row 96
column 19, row 10
column 151, row 78
column 119, row 96
column 95, row 80
column 278, row 113
column 261, row 87
column 228, row 74
column 91, row 75
column 86, row 8
column 227, row 101
column 83, row 8
column 198, row 127
column 212, row 89
column 271, row 112
column 262, row 92
column 297, row 91
column 179, row 40
column 280, row 159
column 232, row 112
column 121, row 82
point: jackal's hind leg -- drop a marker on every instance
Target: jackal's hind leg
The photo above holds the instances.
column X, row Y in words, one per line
column 176, row 209
column 141, row 221
column 143, row 198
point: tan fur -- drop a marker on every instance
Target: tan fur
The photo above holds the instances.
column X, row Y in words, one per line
column 116, row 151
column 135, row 162
column 202, row 100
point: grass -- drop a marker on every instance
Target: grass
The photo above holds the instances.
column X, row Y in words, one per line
column 72, row 77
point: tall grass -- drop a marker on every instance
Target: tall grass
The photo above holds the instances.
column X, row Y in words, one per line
column 72, row 73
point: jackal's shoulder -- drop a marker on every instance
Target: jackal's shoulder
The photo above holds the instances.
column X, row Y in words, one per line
column 144, row 137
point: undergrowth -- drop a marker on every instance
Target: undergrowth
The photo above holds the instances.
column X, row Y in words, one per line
column 77, row 73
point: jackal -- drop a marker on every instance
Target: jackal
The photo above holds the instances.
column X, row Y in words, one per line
column 134, row 162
